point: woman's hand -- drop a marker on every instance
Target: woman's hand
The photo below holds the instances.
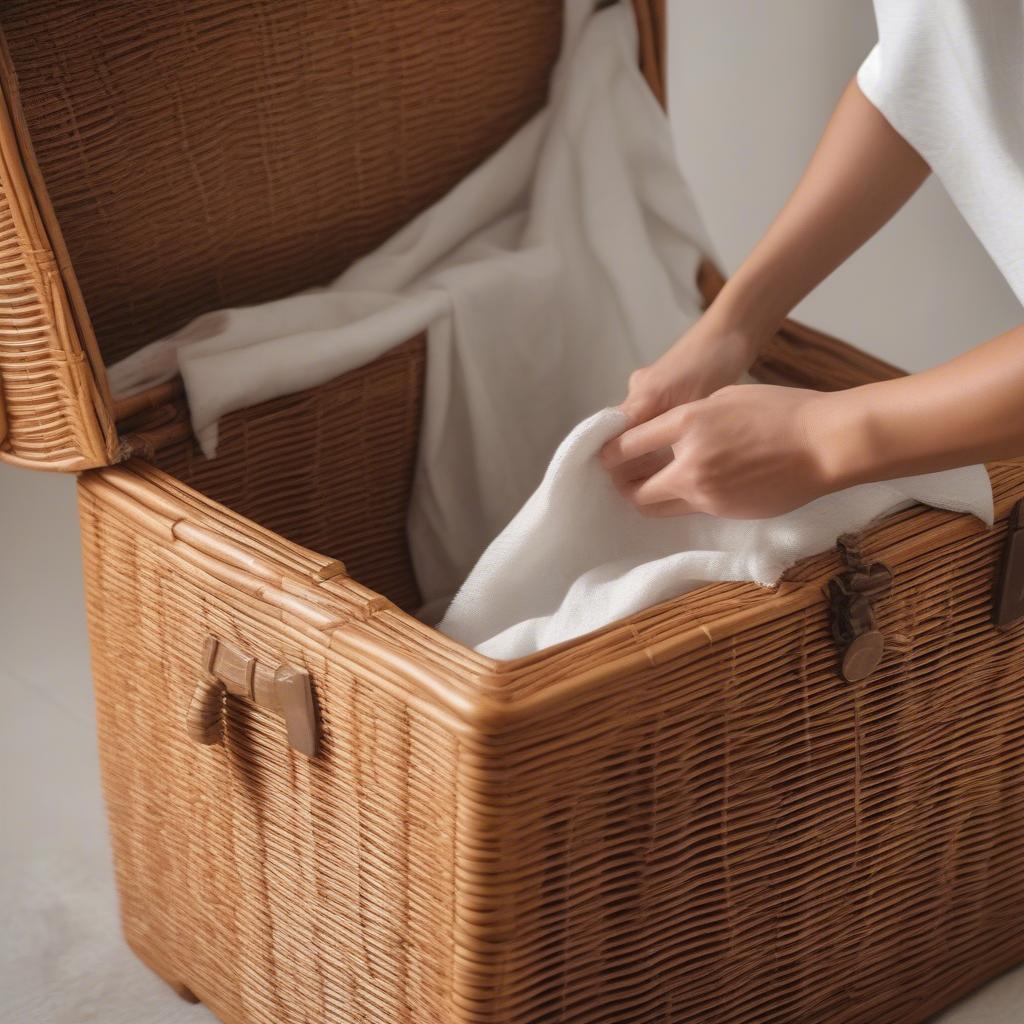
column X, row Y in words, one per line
column 862, row 172
column 696, row 444
column 745, row 452
column 709, row 356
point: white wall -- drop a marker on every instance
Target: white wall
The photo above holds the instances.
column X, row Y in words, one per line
column 752, row 84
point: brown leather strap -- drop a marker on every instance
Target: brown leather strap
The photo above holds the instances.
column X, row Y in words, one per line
column 1008, row 600
column 853, row 595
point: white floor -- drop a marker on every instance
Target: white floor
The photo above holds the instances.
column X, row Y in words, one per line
column 61, row 957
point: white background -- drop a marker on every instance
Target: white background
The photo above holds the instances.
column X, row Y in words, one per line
column 752, row 84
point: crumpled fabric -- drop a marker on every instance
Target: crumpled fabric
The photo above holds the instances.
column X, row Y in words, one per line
column 557, row 267
column 578, row 556
column 561, row 264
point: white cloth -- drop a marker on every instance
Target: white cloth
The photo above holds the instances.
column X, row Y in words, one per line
column 578, row 557
column 949, row 76
column 556, row 268
column 563, row 263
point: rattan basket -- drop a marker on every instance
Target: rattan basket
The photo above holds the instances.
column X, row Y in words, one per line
column 718, row 811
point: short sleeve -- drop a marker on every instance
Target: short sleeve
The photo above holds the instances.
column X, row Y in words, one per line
column 869, row 75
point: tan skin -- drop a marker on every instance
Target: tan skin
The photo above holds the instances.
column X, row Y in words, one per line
column 697, row 444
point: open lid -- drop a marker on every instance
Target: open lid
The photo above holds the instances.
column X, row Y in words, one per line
column 157, row 162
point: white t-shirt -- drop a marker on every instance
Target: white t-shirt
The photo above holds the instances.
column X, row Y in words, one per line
column 948, row 75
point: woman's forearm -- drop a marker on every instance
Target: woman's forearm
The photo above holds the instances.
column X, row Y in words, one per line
column 860, row 175
column 695, row 444
column 970, row 409
column 757, row 451
column 862, row 172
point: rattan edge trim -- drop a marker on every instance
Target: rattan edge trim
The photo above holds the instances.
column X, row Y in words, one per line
column 464, row 690
column 56, row 287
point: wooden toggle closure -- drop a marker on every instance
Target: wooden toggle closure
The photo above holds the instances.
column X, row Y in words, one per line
column 229, row 671
column 852, row 598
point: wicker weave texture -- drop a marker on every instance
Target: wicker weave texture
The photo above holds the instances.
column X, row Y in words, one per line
column 687, row 817
column 215, row 154
column 280, row 889
column 159, row 160
column 732, row 834
column 330, row 468
column 53, row 413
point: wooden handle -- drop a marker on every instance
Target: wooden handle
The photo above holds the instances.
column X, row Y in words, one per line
column 229, row 671
column 205, row 720
column 294, row 693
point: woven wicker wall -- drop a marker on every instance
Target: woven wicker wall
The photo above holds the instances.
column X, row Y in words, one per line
column 281, row 889
column 223, row 153
column 733, row 835
column 167, row 159
column 685, row 818
column 330, row 468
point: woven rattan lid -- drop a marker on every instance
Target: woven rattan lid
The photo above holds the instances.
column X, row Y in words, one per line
column 160, row 160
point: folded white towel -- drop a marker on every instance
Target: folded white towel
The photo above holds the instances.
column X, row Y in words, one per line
column 578, row 556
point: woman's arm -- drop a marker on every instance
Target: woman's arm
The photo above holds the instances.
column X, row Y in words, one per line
column 698, row 445
column 862, row 172
column 860, row 175
column 756, row 450
column 969, row 409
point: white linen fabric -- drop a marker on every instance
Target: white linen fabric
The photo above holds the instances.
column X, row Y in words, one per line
column 949, row 76
column 578, row 557
column 560, row 265
column 545, row 277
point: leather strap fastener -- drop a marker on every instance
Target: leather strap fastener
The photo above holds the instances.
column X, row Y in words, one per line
column 1008, row 599
column 853, row 595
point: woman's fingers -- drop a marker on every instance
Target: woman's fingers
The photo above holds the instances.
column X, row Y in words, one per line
column 660, row 432
column 665, row 509
column 744, row 453
column 662, row 486
column 641, row 468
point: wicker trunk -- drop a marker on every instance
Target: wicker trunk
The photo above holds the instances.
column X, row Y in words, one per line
column 719, row 811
